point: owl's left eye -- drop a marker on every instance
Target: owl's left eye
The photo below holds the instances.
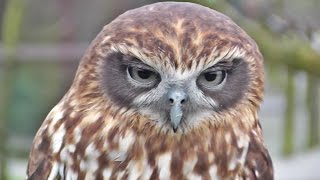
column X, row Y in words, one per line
column 212, row 79
column 142, row 76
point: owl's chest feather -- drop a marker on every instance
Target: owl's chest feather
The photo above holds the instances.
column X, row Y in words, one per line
column 131, row 156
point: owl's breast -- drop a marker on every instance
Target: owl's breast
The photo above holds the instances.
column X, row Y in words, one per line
column 131, row 156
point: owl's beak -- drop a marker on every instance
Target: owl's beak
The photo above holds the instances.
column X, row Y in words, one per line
column 177, row 97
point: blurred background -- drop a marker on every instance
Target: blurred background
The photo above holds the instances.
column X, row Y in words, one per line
column 41, row 42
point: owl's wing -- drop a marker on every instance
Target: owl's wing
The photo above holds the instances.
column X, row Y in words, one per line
column 40, row 161
column 258, row 163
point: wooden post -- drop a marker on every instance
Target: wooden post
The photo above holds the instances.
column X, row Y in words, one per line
column 312, row 109
column 289, row 114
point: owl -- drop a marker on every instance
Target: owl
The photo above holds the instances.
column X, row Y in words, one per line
column 169, row 90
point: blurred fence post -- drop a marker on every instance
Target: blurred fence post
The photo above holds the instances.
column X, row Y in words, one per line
column 312, row 109
column 10, row 36
column 289, row 114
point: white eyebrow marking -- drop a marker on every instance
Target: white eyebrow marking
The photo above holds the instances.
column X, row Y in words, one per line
column 228, row 55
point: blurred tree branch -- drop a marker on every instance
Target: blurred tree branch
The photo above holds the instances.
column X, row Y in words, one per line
column 279, row 39
column 288, row 49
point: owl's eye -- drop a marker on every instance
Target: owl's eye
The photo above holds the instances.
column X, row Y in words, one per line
column 142, row 76
column 212, row 79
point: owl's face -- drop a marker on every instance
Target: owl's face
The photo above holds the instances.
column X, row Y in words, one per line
column 169, row 96
column 178, row 69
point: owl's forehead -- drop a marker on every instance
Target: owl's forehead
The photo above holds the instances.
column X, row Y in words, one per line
column 178, row 36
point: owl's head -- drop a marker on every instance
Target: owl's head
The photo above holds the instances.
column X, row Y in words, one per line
column 177, row 66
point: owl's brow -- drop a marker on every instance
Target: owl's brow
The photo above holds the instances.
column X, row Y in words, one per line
column 225, row 56
column 134, row 54
column 225, row 64
column 129, row 60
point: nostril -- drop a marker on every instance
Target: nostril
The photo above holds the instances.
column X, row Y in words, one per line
column 176, row 97
column 182, row 101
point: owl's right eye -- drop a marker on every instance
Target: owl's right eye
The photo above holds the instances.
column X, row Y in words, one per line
column 144, row 77
column 212, row 79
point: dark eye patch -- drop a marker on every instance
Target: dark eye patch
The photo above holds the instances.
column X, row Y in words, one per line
column 235, row 86
column 115, row 80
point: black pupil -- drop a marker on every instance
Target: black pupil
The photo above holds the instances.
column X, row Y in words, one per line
column 210, row 76
column 144, row 74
